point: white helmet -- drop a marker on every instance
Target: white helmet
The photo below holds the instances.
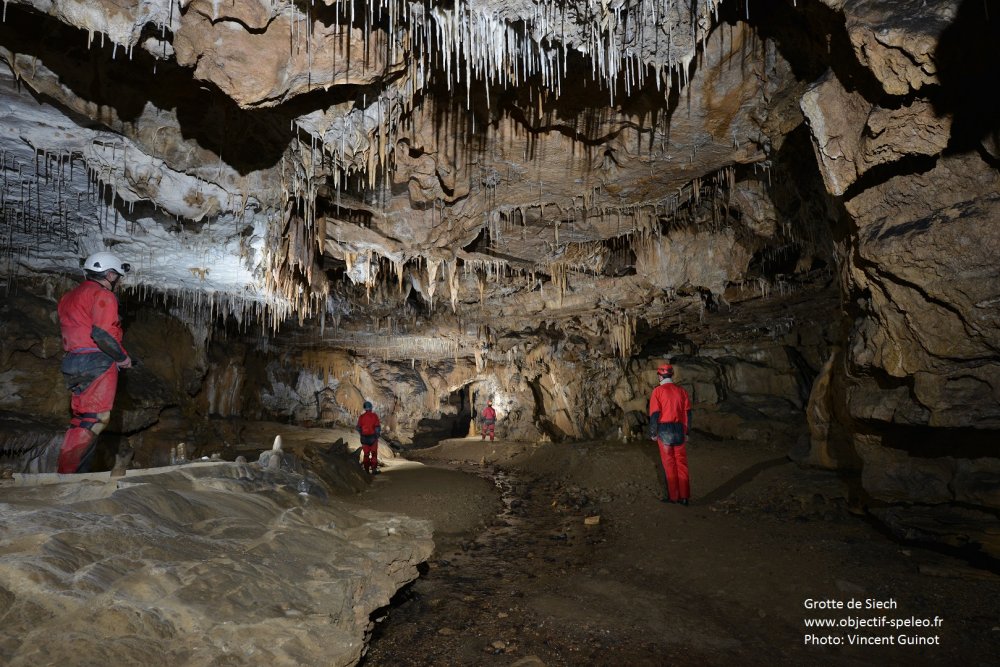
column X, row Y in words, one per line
column 100, row 262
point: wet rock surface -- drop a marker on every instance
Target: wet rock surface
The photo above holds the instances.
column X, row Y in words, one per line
column 203, row 564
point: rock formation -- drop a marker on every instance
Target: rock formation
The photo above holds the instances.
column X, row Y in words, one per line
column 200, row 565
column 426, row 204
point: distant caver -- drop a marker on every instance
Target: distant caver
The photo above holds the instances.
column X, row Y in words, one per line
column 489, row 420
column 669, row 419
column 369, row 429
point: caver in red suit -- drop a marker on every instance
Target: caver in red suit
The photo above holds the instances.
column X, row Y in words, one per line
column 669, row 420
column 489, row 420
column 369, row 428
column 92, row 340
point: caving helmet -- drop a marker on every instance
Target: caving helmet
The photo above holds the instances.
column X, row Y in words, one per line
column 665, row 370
column 100, row 262
column 367, row 405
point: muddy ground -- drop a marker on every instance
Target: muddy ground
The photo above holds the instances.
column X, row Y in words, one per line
column 521, row 577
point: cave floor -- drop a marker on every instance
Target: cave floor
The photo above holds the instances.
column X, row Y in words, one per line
column 523, row 578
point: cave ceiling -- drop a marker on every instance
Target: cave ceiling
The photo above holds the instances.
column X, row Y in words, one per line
column 396, row 175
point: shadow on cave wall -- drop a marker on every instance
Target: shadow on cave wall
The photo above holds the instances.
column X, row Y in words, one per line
column 812, row 38
column 969, row 71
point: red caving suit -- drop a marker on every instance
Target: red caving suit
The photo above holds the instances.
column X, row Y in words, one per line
column 370, row 428
column 673, row 405
column 92, row 340
column 489, row 421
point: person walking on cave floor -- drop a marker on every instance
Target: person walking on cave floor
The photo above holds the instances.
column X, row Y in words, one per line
column 489, row 420
column 669, row 421
column 92, row 340
column 370, row 429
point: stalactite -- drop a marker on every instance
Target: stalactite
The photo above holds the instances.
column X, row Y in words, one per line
column 432, row 270
column 453, row 283
column 558, row 273
column 472, row 45
column 622, row 334
column 398, row 267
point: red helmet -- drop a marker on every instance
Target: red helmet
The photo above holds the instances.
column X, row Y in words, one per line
column 665, row 370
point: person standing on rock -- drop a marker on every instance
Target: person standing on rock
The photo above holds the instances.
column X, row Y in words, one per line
column 92, row 340
column 489, row 420
column 669, row 421
column 369, row 428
